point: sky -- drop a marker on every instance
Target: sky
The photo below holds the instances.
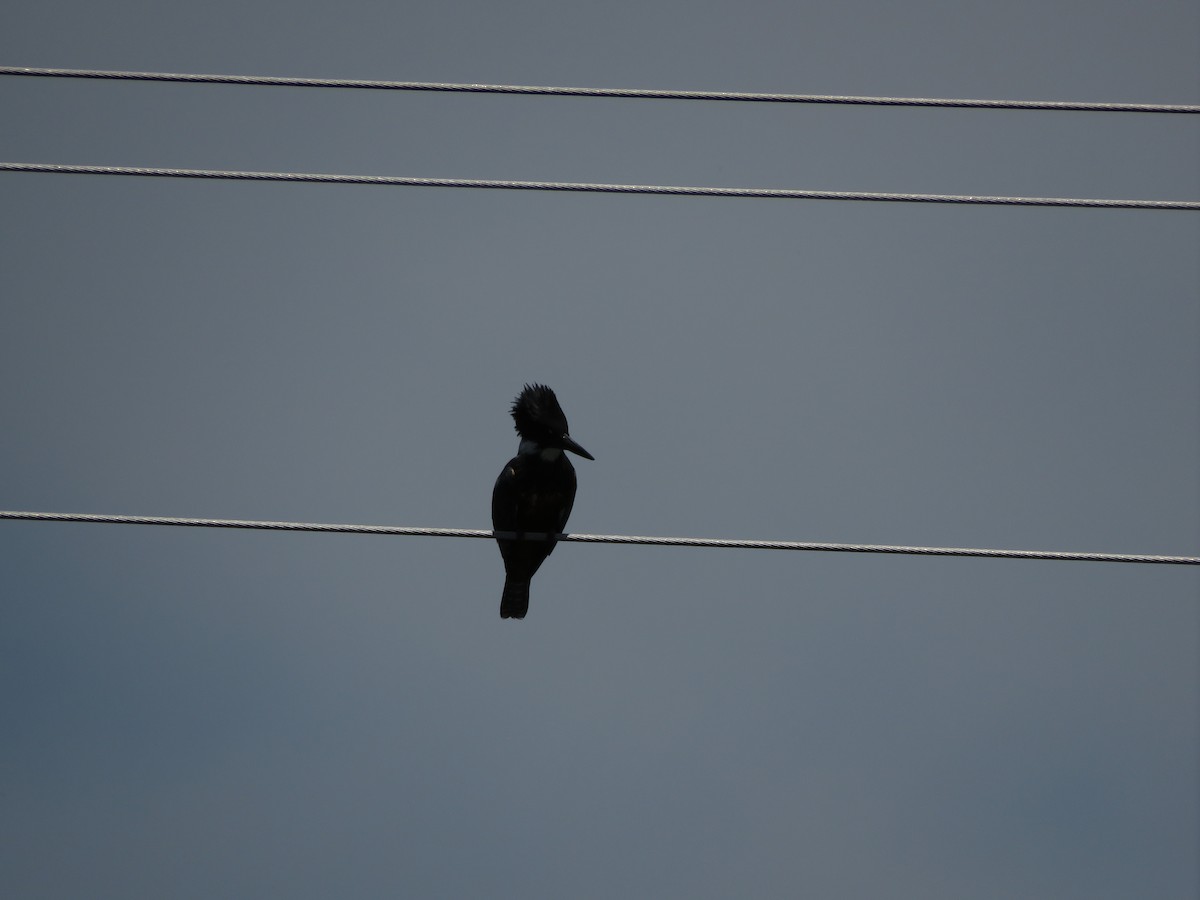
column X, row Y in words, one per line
column 195, row 713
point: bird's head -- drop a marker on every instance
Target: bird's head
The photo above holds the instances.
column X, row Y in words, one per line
column 540, row 420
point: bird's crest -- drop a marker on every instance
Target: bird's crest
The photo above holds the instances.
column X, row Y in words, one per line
column 536, row 410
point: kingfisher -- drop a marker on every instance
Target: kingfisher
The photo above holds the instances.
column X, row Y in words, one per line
column 534, row 493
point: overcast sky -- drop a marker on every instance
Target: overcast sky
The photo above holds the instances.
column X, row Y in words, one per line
column 197, row 713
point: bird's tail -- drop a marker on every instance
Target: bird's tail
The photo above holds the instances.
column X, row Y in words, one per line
column 514, row 602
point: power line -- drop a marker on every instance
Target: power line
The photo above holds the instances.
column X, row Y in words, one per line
column 672, row 190
column 598, row 538
column 628, row 93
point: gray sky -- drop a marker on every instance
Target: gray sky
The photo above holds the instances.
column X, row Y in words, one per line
column 192, row 713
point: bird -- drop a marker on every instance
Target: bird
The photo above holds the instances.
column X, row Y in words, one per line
column 534, row 493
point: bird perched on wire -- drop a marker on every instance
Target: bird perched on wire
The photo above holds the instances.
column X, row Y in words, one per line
column 534, row 493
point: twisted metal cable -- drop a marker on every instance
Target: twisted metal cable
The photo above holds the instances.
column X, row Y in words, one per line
column 633, row 93
column 674, row 190
column 600, row 538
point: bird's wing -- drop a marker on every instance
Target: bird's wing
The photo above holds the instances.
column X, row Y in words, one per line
column 506, row 497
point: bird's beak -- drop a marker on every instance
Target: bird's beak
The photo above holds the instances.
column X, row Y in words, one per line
column 569, row 444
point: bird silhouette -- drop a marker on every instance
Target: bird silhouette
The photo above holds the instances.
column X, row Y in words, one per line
column 534, row 493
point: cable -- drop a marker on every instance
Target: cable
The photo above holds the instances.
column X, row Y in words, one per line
column 599, row 538
column 765, row 193
column 634, row 93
